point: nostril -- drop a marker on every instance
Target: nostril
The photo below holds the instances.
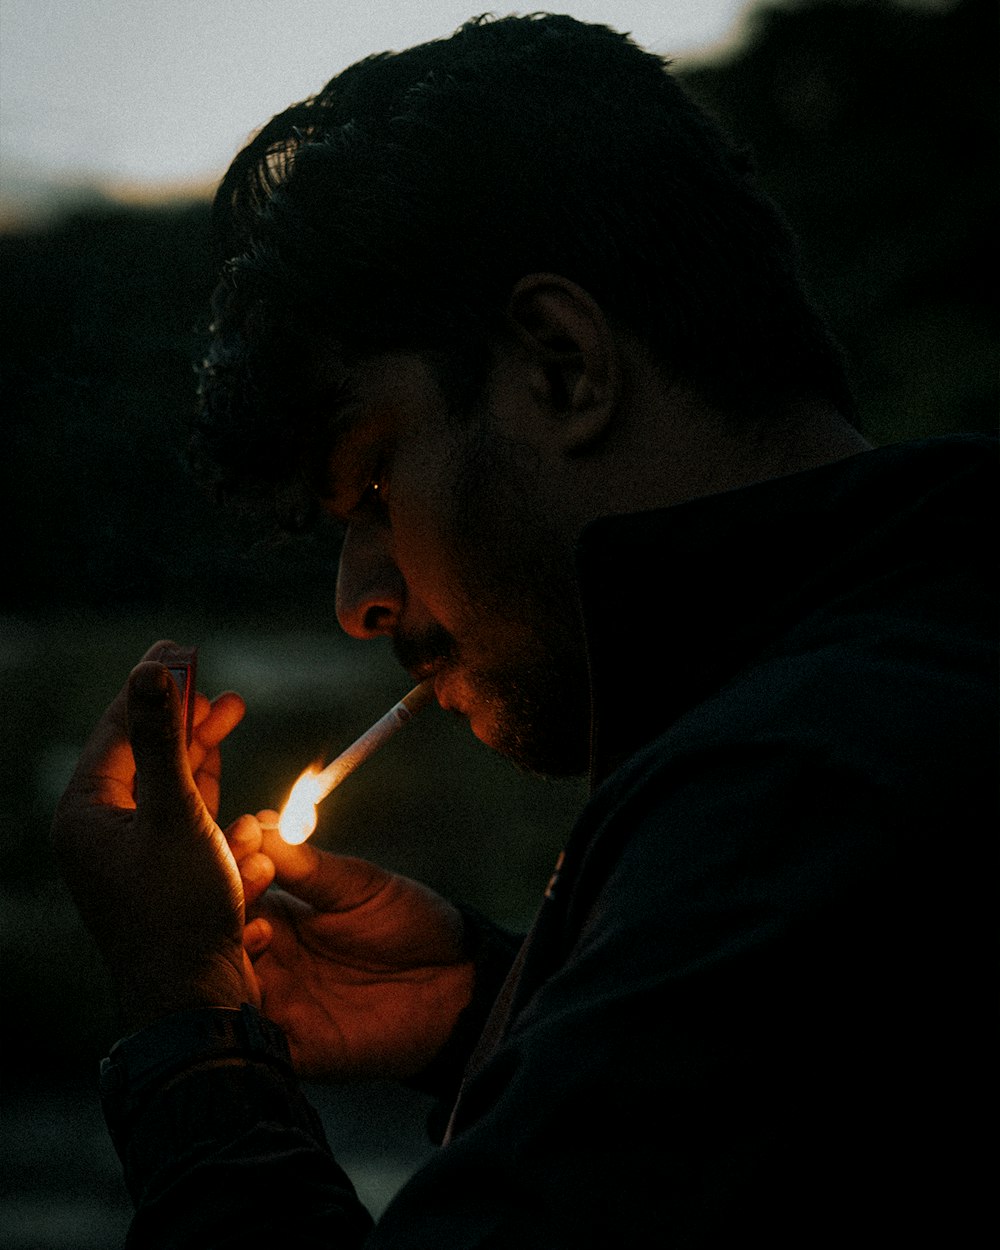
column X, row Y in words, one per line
column 370, row 588
column 377, row 619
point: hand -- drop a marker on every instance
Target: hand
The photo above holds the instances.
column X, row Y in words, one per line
column 363, row 969
column 148, row 867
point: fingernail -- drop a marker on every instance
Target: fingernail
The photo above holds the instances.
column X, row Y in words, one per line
column 151, row 682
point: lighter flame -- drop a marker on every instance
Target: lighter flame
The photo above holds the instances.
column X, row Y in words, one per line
column 298, row 816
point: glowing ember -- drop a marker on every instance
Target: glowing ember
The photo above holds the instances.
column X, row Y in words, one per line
column 298, row 816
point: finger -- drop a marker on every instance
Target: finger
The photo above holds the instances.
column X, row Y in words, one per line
column 105, row 770
column 256, row 873
column 215, row 720
column 257, row 935
column 256, row 870
column 158, row 738
column 160, row 649
column 294, row 866
column 208, row 779
column 327, row 882
column 243, row 836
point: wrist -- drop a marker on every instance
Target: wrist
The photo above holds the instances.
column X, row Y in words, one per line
column 220, row 985
column 147, row 1060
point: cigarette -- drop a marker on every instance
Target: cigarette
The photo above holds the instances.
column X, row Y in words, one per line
column 298, row 816
column 372, row 740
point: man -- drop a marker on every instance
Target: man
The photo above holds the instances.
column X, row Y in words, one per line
column 510, row 309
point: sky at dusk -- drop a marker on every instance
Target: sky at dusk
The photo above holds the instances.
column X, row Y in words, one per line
column 155, row 92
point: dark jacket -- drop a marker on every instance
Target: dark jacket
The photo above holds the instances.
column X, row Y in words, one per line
column 754, row 1003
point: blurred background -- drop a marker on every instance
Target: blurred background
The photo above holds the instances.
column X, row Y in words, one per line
column 874, row 126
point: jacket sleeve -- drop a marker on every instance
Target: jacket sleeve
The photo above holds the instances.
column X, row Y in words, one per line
column 220, row 1147
column 228, row 1154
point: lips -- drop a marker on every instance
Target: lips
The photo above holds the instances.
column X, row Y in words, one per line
column 444, row 690
column 424, row 655
column 447, row 683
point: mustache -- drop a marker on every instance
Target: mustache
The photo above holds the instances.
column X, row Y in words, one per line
column 421, row 654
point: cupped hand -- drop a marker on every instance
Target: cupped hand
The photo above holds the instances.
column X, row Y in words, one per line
column 149, row 869
column 363, row 969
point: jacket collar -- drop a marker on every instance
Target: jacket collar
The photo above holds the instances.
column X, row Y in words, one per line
column 676, row 602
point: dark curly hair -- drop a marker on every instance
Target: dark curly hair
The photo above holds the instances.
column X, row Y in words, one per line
column 396, row 209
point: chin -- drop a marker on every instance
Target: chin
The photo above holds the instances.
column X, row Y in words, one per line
column 539, row 719
column 544, row 749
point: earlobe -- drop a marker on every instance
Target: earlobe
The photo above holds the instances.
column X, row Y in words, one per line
column 572, row 358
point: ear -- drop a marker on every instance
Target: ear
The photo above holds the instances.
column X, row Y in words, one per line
column 571, row 358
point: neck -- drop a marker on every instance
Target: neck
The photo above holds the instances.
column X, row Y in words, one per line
column 673, row 448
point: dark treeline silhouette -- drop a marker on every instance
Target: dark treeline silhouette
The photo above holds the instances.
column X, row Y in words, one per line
column 874, row 125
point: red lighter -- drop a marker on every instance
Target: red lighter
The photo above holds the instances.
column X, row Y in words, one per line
column 182, row 664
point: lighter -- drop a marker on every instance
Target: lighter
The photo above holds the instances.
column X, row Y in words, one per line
column 182, row 665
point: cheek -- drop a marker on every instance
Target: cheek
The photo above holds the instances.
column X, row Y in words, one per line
column 463, row 537
column 423, row 552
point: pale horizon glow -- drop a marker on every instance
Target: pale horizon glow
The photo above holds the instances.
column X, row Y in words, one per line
column 146, row 96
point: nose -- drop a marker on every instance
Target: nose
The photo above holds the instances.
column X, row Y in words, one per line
column 370, row 588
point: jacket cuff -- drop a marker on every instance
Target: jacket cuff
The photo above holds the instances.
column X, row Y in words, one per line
column 141, row 1064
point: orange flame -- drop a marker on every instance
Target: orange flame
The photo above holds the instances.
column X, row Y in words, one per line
column 298, row 816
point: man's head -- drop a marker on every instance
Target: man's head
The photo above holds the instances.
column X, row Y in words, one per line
column 397, row 209
column 534, row 226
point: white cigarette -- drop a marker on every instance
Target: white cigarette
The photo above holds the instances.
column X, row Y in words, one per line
column 298, row 816
column 399, row 715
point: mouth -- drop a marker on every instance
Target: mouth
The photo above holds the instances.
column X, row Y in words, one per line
column 447, row 683
column 427, row 657
column 455, row 691
column 442, row 676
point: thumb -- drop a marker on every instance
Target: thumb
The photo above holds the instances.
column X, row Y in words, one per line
column 157, row 736
column 325, row 881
